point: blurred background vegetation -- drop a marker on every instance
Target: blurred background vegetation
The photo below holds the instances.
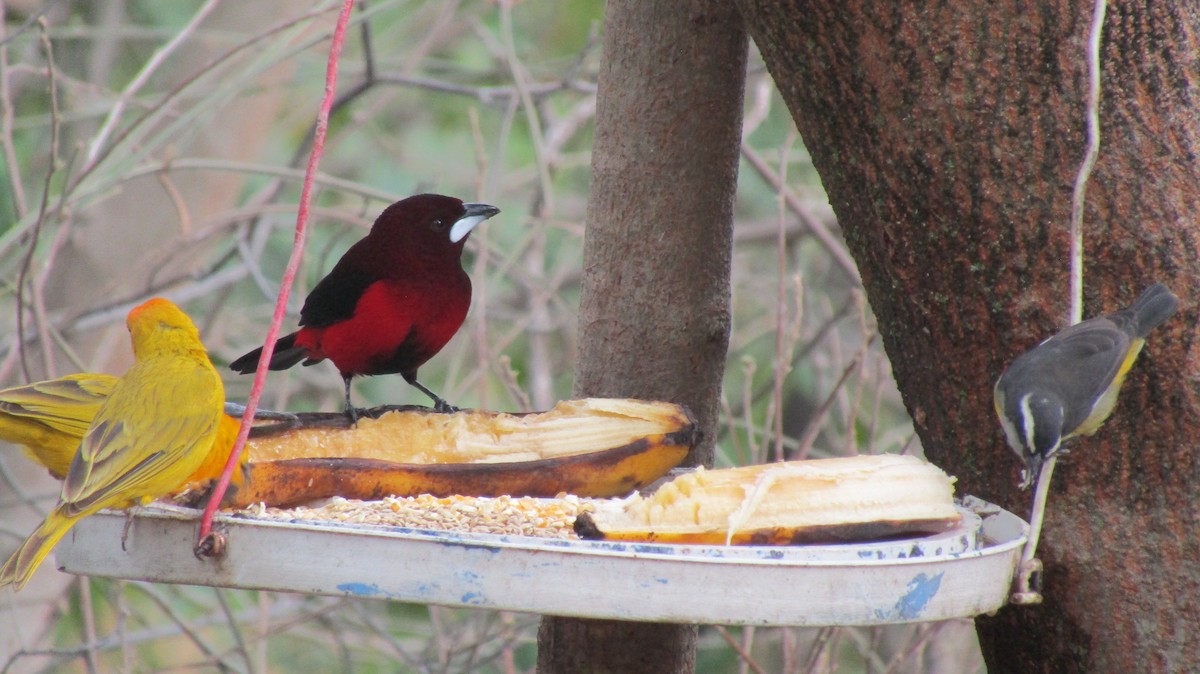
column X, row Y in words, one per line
column 156, row 149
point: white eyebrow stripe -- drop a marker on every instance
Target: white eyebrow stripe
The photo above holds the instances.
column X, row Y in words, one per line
column 1027, row 423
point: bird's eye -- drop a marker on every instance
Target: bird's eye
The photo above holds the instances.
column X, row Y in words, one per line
column 438, row 225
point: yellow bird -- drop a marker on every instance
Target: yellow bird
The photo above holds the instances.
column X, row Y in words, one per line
column 48, row 419
column 1068, row 385
column 154, row 430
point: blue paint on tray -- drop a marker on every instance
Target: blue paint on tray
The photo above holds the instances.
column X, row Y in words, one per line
column 360, row 589
column 449, row 540
column 660, row 549
column 917, row 596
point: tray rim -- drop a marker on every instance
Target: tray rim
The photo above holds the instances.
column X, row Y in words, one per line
column 597, row 579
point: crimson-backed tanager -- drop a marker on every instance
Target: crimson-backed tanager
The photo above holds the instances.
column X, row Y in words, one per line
column 392, row 301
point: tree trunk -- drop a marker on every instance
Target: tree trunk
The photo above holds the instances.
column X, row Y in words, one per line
column 654, row 314
column 948, row 135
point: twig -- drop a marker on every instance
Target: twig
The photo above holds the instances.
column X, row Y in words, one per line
column 350, row 94
column 168, row 610
column 565, row 127
column 151, row 66
column 387, row 638
column 121, row 604
column 748, row 634
column 508, row 377
column 201, row 285
column 488, row 95
column 12, row 164
column 238, row 640
column 178, row 90
column 871, row 651
column 88, row 613
column 177, row 200
column 1027, row 585
column 289, row 615
column 1079, row 192
column 439, row 637
column 27, row 261
column 760, row 107
column 1028, row 573
column 540, row 379
column 289, row 274
column 813, row 342
column 33, row 18
column 216, row 165
column 749, row 367
column 814, row 424
column 820, row 644
column 925, row 634
column 737, row 455
column 780, row 368
column 37, row 302
column 482, row 293
column 853, row 405
column 831, row 243
column 873, row 421
column 262, row 626
column 546, row 202
column 747, row 659
column 789, row 647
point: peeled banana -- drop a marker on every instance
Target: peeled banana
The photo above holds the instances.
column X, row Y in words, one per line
column 817, row 501
column 592, row 447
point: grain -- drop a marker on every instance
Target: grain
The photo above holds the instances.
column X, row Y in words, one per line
column 502, row 515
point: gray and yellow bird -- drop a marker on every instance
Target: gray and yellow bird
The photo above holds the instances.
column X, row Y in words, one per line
column 1067, row 385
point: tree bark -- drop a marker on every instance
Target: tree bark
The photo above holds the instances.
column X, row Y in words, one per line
column 654, row 312
column 948, row 135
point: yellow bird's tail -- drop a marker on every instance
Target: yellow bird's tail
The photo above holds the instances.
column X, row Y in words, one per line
column 20, row 566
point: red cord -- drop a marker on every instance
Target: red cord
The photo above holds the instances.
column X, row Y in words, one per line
column 289, row 274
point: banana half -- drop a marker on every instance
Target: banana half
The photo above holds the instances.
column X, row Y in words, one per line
column 859, row 498
column 591, row 447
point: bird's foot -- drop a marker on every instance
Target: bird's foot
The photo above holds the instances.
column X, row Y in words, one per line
column 380, row 410
column 212, row 545
column 125, row 529
column 237, row 409
column 442, row 407
column 439, row 403
column 1028, row 586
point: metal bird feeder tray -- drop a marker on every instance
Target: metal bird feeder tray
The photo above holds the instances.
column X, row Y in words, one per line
column 959, row 573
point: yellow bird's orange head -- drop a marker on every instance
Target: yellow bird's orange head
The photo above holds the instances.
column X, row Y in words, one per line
column 158, row 326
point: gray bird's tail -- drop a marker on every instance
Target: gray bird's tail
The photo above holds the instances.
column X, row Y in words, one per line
column 1155, row 305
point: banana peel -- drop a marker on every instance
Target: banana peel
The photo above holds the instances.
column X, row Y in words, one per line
column 591, row 447
column 861, row 498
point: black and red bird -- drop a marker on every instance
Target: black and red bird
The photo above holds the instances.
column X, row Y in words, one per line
column 393, row 300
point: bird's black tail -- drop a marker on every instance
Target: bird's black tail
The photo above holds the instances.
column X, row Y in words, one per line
column 286, row 354
column 1155, row 305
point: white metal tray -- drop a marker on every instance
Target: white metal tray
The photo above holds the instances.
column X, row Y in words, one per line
column 960, row 574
